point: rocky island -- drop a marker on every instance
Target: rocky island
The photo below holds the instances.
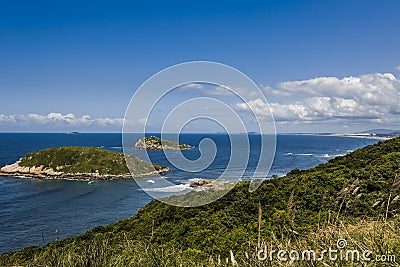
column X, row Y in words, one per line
column 155, row 143
column 81, row 163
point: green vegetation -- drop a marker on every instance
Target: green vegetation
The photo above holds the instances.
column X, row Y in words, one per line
column 355, row 197
column 76, row 159
column 155, row 143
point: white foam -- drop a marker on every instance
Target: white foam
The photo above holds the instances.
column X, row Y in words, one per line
column 298, row 154
column 172, row 188
column 324, row 156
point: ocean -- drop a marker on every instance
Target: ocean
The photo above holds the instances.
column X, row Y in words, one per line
column 35, row 212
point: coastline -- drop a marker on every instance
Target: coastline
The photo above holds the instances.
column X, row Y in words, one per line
column 104, row 192
column 15, row 170
column 343, row 135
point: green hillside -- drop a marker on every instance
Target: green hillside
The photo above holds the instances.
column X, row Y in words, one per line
column 354, row 197
column 77, row 159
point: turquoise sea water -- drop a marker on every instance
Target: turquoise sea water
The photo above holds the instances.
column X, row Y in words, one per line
column 32, row 210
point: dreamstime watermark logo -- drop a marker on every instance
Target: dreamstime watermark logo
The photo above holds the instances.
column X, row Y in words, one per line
column 194, row 96
column 340, row 253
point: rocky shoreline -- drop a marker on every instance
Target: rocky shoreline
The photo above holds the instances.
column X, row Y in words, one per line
column 155, row 143
column 201, row 182
column 40, row 172
column 209, row 184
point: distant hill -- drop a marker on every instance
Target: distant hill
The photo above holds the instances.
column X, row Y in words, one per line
column 381, row 132
column 355, row 197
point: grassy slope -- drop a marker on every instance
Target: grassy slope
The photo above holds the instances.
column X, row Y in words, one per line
column 75, row 159
column 314, row 203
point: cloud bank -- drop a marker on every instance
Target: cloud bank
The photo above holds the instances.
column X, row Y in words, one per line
column 57, row 121
column 365, row 100
column 373, row 98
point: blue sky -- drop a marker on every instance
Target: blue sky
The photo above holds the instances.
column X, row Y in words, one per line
column 74, row 65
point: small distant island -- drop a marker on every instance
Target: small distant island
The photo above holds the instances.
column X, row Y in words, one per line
column 155, row 143
column 80, row 163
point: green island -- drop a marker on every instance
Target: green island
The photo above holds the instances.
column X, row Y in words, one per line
column 353, row 197
column 155, row 143
column 76, row 162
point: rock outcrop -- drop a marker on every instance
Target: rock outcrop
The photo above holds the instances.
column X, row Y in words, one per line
column 155, row 143
column 210, row 185
column 201, row 182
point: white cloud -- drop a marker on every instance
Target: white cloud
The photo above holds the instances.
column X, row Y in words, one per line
column 372, row 89
column 108, row 122
column 366, row 98
column 219, row 90
column 204, row 88
column 274, row 92
column 7, row 118
column 55, row 120
column 332, row 101
column 397, row 67
column 58, row 116
column 216, row 90
column 257, row 105
column 295, row 111
column 193, row 85
column 144, row 121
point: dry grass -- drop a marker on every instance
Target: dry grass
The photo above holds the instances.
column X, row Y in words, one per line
column 379, row 236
